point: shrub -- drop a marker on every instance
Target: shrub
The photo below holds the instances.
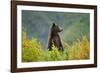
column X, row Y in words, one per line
column 55, row 55
column 80, row 49
column 32, row 51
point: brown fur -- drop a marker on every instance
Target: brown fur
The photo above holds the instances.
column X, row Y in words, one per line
column 55, row 38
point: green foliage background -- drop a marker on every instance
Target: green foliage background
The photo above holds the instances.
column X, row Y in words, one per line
column 38, row 23
column 35, row 32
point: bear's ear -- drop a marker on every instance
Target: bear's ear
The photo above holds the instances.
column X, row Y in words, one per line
column 53, row 25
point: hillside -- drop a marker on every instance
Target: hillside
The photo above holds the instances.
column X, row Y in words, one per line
column 37, row 24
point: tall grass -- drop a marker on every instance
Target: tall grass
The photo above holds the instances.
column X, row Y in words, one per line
column 32, row 51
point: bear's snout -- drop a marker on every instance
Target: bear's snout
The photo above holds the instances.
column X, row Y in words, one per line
column 61, row 29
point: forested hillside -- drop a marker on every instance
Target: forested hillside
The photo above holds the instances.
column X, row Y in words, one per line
column 38, row 23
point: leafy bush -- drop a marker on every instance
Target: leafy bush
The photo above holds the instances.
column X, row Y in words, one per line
column 32, row 51
column 79, row 50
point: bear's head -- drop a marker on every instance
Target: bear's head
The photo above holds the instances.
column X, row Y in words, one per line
column 55, row 28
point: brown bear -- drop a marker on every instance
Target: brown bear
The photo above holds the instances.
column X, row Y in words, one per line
column 55, row 38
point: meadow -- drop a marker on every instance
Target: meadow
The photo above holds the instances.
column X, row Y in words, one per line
column 33, row 51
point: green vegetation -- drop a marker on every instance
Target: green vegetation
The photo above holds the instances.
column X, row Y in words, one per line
column 32, row 50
